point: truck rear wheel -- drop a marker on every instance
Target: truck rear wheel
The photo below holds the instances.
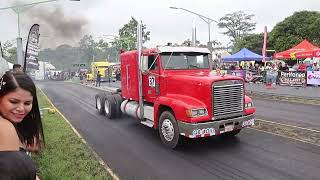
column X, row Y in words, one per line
column 110, row 107
column 168, row 129
column 118, row 100
column 99, row 104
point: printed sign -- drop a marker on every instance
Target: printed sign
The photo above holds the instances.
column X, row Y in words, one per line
column 292, row 78
column 152, row 81
column 32, row 49
column 239, row 73
column 313, row 77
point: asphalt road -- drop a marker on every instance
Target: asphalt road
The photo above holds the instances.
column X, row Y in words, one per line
column 135, row 151
column 302, row 115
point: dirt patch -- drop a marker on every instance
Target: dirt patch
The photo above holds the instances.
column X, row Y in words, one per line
column 288, row 131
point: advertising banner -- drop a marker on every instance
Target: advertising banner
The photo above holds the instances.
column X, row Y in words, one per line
column 292, row 78
column 32, row 49
column 313, row 77
column 239, row 73
column 253, row 76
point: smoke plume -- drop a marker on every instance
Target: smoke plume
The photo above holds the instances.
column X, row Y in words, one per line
column 56, row 27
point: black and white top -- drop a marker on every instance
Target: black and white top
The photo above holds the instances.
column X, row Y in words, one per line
column 16, row 165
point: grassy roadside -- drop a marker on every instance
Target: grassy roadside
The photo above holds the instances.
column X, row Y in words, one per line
column 65, row 156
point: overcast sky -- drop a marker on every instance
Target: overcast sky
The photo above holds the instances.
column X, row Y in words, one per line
column 66, row 22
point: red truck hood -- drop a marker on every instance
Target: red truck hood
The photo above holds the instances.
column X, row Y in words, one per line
column 197, row 78
column 194, row 84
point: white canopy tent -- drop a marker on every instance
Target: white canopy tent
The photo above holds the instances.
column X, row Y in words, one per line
column 4, row 66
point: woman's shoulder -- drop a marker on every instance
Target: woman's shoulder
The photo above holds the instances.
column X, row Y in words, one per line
column 9, row 139
column 6, row 125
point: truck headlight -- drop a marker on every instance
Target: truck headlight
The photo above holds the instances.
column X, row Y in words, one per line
column 248, row 105
column 196, row 112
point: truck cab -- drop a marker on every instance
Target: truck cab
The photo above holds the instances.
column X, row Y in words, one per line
column 179, row 96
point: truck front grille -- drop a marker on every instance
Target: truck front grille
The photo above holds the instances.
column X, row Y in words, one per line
column 227, row 100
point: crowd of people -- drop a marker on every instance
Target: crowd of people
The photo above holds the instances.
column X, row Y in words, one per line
column 259, row 67
column 268, row 73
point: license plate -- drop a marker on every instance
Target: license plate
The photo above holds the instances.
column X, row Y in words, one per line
column 228, row 128
column 249, row 122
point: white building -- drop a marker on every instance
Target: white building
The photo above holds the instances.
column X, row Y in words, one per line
column 44, row 69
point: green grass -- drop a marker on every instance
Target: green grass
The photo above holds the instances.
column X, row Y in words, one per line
column 65, row 156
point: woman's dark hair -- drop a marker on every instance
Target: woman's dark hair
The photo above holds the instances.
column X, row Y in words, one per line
column 30, row 127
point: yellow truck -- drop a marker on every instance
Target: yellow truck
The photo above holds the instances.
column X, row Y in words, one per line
column 105, row 70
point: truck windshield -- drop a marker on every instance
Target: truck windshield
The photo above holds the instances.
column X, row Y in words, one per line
column 185, row 60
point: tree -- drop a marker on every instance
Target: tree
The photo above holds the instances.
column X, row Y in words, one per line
column 9, row 52
column 88, row 48
column 127, row 36
column 291, row 31
column 254, row 42
column 63, row 57
column 102, row 45
column 238, row 25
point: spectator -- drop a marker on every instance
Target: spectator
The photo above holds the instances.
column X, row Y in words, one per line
column 309, row 68
column 20, row 126
column 98, row 79
column 315, row 66
column 285, row 68
column 17, row 68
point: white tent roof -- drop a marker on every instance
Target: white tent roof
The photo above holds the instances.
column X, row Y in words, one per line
column 4, row 66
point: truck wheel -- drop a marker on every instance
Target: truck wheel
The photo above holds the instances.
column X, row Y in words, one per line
column 118, row 100
column 168, row 129
column 99, row 104
column 231, row 133
column 110, row 107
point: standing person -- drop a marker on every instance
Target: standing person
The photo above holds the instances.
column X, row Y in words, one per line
column 20, row 126
column 98, row 79
column 85, row 78
column 17, row 68
column 315, row 66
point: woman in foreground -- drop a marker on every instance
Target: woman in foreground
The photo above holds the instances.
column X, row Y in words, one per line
column 20, row 126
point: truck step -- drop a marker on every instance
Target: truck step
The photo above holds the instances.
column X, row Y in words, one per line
column 148, row 122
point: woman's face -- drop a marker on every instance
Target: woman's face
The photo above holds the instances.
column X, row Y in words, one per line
column 16, row 105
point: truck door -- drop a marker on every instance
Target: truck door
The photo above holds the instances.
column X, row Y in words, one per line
column 150, row 77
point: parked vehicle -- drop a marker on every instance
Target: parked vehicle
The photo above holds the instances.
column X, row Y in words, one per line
column 105, row 69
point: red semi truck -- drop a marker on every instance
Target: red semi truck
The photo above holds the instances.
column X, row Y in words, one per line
column 172, row 90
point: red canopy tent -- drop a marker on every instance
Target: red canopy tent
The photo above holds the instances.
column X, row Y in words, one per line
column 303, row 50
column 308, row 54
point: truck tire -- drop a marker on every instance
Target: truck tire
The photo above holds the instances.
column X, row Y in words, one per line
column 118, row 100
column 110, row 107
column 231, row 133
column 168, row 130
column 99, row 104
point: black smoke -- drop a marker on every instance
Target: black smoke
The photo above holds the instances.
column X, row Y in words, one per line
column 56, row 26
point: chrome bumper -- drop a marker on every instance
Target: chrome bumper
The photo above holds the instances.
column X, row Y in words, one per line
column 212, row 128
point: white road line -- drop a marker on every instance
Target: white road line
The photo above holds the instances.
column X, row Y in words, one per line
column 313, row 130
column 83, row 140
